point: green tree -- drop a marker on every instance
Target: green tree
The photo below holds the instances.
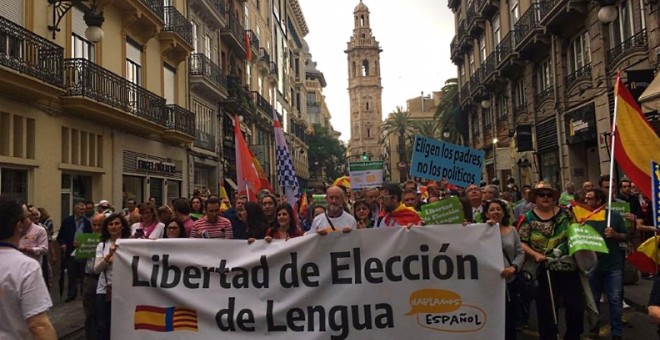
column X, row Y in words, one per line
column 449, row 114
column 399, row 124
column 427, row 128
column 326, row 153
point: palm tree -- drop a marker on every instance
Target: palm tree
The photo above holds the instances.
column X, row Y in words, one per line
column 427, row 128
column 449, row 114
column 399, row 124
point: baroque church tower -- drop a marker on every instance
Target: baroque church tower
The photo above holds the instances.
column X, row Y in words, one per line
column 364, row 88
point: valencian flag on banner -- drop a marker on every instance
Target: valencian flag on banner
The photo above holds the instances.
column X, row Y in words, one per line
column 635, row 141
column 247, row 177
column 286, row 174
column 165, row 319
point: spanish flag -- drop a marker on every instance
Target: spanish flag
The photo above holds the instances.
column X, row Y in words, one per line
column 265, row 184
column 583, row 213
column 635, row 141
column 646, row 258
column 165, row 319
column 403, row 215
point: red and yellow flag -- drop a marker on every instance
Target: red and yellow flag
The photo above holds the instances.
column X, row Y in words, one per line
column 403, row 215
column 265, row 184
column 248, row 51
column 303, row 205
column 165, row 319
column 635, row 142
column 583, row 213
column 247, row 178
column 646, row 258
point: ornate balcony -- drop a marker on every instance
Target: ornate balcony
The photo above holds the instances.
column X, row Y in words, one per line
column 528, row 31
column 464, row 93
column 475, row 22
column 487, row 8
column 31, row 66
column 507, row 57
column 561, row 13
column 263, row 63
column 180, row 124
column 638, row 43
column 143, row 19
column 273, row 72
column 95, row 93
column 211, row 11
column 488, row 69
column 520, row 114
column 457, row 55
column 581, row 74
column 543, row 96
column 264, row 110
column 176, row 36
column 206, row 77
column 234, row 35
column 475, row 83
column 240, row 98
column 254, row 44
column 465, row 41
column 204, row 140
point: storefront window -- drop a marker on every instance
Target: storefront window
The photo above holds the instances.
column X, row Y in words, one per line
column 156, row 190
column 173, row 190
column 75, row 188
column 13, row 183
column 133, row 189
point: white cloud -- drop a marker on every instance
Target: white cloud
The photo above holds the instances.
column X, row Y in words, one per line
column 414, row 36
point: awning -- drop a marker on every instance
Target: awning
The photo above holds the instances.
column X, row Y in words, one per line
column 231, row 183
column 650, row 99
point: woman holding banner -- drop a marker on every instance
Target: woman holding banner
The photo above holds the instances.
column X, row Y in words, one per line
column 496, row 212
column 286, row 225
column 544, row 236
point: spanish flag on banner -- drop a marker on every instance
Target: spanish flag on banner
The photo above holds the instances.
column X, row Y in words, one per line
column 165, row 319
column 635, row 141
column 646, row 258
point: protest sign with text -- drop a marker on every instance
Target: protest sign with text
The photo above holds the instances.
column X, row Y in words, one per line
column 365, row 174
column 375, row 283
column 87, row 245
column 445, row 211
column 584, row 237
column 622, row 208
column 435, row 160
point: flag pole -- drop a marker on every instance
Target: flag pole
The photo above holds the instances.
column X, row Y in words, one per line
column 612, row 143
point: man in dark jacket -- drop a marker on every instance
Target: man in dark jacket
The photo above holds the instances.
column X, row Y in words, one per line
column 76, row 223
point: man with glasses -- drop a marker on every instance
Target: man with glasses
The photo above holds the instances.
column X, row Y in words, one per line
column 608, row 276
column 335, row 218
column 395, row 213
column 76, row 223
column 475, row 198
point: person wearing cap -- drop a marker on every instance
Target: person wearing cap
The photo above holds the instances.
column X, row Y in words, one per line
column 104, row 207
column 544, row 237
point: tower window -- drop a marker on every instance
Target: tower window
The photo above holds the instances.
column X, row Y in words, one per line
column 367, row 106
column 368, row 133
column 353, row 70
column 362, row 20
column 364, row 35
column 365, row 67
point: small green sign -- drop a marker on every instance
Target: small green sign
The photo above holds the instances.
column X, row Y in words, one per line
column 319, row 199
column 87, row 245
column 584, row 237
column 445, row 211
column 622, row 208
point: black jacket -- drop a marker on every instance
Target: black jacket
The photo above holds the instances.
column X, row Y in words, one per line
column 67, row 232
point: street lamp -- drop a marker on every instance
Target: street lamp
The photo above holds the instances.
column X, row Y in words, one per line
column 92, row 16
column 607, row 14
column 495, row 157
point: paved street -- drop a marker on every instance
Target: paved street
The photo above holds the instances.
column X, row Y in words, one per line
column 68, row 318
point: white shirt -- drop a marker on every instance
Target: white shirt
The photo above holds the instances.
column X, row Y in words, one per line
column 23, row 293
column 105, row 277
column 155, row 234
column 321, row 222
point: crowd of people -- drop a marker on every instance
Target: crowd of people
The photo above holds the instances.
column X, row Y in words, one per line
column 533, row 223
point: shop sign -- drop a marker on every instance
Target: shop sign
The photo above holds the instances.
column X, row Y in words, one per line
column 155, row 166
column 581, row 125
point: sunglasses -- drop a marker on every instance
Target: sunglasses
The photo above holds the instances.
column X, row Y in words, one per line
column 545, row 194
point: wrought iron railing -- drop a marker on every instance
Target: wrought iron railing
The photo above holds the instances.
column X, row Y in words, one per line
column 220, row 6
column 201, row 65
column 264, row 56
column 453, row 46
column 180, row 119
column 262, row 103
column 546, row 6
column 489, row 65
column 505, row 47
column 31, row 54
column 471, row 15
column 465, row 91
column 527, row 23
column 474, row 81
column 156, row 6
column 543, row 95
column 638, row 40
column 85, row 79
column 204, row 140
column 234, row 26
column 177, row 23
column 583, row 73
column 254, row 40
column 460, row 31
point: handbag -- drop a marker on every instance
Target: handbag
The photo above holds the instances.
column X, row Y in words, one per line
column 527, row 285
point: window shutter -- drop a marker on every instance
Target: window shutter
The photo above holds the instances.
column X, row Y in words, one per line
column 13, row 11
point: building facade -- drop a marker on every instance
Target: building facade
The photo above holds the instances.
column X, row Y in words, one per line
column 364, row 88
column 537, row 79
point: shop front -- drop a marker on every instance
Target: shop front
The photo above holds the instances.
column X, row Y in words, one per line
column 147, row 175
column 582, row 141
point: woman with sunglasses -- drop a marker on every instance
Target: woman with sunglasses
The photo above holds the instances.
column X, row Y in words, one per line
column 496, row 212
column 544, row 236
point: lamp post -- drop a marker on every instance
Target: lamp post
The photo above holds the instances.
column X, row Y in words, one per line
column 92, row 16
column 607, row 12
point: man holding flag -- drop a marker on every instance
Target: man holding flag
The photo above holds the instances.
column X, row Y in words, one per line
column 395, row 213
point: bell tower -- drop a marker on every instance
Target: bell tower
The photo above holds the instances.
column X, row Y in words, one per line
column 364, row 88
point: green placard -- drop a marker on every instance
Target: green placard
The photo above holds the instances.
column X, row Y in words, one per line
column 584, row 237
column 87, row 247
column 445, row 211
column 319, row 199
column 622, row 208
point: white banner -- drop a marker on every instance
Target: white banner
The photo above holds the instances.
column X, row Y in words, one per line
column 428, row 282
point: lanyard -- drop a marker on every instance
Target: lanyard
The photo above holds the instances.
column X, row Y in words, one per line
column 8, row 245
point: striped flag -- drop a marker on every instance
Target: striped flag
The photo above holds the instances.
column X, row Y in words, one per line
column 635, row 141
column 165, row 319
column 286, row 174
